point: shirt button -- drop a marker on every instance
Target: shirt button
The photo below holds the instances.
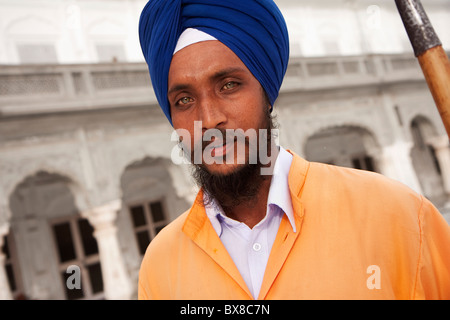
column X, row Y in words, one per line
column 256, row 246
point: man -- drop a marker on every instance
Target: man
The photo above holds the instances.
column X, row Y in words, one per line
column 301, row 230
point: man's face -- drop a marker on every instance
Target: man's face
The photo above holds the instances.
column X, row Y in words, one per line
column 209, row 83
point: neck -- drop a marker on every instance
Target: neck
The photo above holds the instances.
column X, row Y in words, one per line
column 242, row 194
column 252, row 212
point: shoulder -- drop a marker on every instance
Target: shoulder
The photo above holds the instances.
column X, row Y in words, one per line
column 167, row 236
column 163, row 244
column 362, row 195
column 335, row 181
column 350, row 193
column 153, row 279
column 360, row 182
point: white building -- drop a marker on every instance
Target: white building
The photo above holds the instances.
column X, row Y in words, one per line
column 86, row 176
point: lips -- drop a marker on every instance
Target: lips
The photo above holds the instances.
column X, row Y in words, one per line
column 216, row 149
column 219, row 151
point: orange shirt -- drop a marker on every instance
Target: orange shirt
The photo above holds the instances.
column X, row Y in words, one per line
column 359, row 236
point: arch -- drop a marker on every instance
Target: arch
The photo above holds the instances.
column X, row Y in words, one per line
column 424, row 159
column 43, row 177
column 39, row 25
column 144, row 173
column 370, row 136
column 146, row 183
column 426, row 116
column 155, row 178
column 50, row 232
column 136, row 151
column 78, row 191
column 106, row 26
column 345, row 145
column 422, row 129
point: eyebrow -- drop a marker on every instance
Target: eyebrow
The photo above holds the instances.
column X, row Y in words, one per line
column 218, row 75
column 226, row 72
column 178, row 87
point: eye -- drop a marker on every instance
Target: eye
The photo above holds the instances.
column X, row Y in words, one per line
column 229, row 85
column 184, row 100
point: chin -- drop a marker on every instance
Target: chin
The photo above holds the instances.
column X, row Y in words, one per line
column 223, row 169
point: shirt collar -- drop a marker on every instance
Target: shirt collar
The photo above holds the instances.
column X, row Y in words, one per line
column 214, row 213
column 279, row 194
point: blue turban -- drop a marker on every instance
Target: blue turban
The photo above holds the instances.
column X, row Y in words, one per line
column 254, row 30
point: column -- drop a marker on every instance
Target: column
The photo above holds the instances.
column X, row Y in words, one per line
column 5, row 291
column 116, row 282
column 395, row 162
column 442, row 150
column 181, row 181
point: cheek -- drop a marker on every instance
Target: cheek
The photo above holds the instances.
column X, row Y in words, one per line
column 188, row 133
column 181, row 122
column 250, row 113
column 177, row 124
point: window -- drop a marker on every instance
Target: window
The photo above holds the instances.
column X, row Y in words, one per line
column 435, row 159
column 12, row 267
column 76, row 245
column 363, row 163
column 148, row 219
column 37, row 53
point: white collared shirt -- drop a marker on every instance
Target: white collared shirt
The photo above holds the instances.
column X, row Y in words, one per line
column 250, row 248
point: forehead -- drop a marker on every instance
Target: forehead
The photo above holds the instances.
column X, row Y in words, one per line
column 202, row 59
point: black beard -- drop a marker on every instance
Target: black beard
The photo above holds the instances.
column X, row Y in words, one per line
column 231, row 190
column 238, row 187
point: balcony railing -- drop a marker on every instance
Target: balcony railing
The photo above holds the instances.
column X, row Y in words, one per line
column 350, row 71
column 31, row 89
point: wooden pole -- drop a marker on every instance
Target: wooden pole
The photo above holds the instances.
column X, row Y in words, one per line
column 432, row 58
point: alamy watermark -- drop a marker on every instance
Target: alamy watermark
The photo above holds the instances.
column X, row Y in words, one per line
column 214, row 146
column 374, row 280
column 74, row 280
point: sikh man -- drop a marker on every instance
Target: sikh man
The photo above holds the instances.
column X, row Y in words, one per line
column 305, row 230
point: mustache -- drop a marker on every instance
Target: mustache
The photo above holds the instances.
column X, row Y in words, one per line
column 249, row 146
column 221, row 137
column 214, row 138
column 215, row 141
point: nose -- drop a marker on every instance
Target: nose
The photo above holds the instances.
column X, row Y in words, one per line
column 211, row 113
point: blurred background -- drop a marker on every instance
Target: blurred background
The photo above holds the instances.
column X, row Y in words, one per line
column 86, row 176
